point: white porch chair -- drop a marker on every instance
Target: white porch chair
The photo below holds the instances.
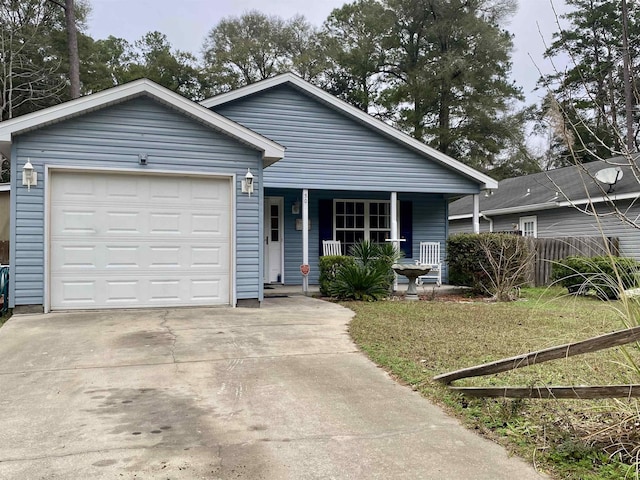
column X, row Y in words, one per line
column 331, row 247
column 430, row 255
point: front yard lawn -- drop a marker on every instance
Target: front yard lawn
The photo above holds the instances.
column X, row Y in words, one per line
column 570, row 439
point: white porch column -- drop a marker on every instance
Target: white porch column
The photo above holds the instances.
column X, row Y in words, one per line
column 305, row 237
column 476, row 213
column 394, row 230
column 394, row 216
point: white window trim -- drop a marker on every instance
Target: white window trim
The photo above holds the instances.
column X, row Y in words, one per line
column 367, row 203
column 534, row 220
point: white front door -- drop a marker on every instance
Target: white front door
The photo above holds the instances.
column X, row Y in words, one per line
column 273, row 241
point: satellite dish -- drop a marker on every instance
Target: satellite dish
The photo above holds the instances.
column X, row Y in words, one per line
column 610, row 176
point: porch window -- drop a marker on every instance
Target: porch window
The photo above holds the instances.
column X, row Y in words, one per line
column 529, row 226
column 357, row 220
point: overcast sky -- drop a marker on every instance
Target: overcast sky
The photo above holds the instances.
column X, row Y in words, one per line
column 187, row 22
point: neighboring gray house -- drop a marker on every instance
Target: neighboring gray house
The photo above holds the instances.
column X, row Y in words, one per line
column 559, row 203
column 138, row 197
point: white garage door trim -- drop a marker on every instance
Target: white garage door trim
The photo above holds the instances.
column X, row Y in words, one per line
column 53, row 169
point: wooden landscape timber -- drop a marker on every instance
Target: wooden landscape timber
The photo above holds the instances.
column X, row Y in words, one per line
column 614, row 339
column 578, row 392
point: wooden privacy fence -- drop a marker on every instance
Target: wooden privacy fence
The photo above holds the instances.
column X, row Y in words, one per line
column 550, row 250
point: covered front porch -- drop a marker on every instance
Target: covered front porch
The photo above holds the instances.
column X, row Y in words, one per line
column 348, row 216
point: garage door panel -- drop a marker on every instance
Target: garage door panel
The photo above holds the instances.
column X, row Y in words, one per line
column 127, row 257
column 173, row 288
column 79, row 188
column 171, row 246
column 78, row 292
column 164, row 290
column 126, row 188
column 162, row 223
column 164, row 189
column 122, row 222
column 121, row 256
column 201, row 195
column 74, row 256
column 205, row 257
column 206, row 290
column 164, row 257
column 122, row 291
column 78, row 222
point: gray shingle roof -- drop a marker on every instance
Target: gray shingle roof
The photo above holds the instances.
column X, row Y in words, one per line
column 572, row 183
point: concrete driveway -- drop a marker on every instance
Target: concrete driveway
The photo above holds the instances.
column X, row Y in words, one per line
column 274, row 393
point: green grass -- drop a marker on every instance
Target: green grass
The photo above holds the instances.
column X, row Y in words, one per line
column 567, row 438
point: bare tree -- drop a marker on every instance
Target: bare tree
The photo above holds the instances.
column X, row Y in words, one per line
column 29, row 77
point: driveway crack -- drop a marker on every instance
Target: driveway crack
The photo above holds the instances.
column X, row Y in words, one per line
column 174, row 338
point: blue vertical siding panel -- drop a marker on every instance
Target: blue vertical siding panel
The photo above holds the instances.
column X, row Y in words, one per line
column 327, row 149
column 112, row 138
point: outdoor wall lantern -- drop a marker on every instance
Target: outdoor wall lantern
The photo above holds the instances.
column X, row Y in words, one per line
column 247, row 183
column 29, row 175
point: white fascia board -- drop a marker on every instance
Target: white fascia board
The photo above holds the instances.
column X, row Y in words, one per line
column 485, row 181
column 271, row 151
column 601, row 199
column 5, row 187
column 522, row 208
column 506, row 211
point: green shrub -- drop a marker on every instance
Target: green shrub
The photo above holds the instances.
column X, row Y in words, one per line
column 377, row 256
column 598, row 274
column 366, row 275
column 360, row 282
column 329, row 266
column 464, row 255
column 494, row 263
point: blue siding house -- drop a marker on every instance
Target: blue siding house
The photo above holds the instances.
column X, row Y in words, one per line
column 136, row 201
column 138, row 197
column 362, row 179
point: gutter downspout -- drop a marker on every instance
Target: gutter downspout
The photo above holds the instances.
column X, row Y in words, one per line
column 490, row 220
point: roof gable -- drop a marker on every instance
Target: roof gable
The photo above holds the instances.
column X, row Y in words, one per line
column 329, row 150
column 377, row 125
column 271, row 151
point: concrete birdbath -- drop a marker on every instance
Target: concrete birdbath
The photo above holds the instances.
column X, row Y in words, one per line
column 411, row 272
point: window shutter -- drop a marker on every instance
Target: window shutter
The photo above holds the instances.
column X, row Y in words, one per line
column 325, row 222
column 406, row 228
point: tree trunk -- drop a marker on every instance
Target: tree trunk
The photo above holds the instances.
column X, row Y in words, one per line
column 72, row 45
column 444, row 118
column 628, row 95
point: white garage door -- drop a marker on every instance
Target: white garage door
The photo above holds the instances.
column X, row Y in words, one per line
column 121, row 240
